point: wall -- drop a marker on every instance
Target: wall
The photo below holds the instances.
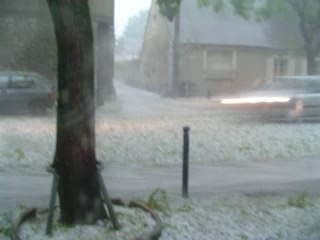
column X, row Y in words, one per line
column 102, row 10
column 254, row 66
column 27, row 43
column 155, row 53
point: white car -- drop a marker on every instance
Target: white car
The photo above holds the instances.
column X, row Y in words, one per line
column 285, row 98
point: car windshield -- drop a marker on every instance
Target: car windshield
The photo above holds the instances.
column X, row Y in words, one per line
column 293, row 84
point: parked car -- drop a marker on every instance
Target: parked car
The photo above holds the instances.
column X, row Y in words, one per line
column 25, row 91
column 285, row 98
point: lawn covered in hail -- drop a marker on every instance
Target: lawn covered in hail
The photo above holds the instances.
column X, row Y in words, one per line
column 133, row 222
column 221, row 217
column 27, row 143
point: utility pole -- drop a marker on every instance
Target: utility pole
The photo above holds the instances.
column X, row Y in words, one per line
column 176, row 91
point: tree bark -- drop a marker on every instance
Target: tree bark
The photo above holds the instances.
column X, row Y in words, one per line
column 75, row 159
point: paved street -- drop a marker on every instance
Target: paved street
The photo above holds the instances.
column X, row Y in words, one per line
column 129, row 181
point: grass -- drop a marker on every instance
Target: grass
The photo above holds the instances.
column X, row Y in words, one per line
column 158, row 200
column 5, row 231
column 300, row 201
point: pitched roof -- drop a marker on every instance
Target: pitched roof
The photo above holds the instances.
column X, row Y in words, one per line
column 204, row 26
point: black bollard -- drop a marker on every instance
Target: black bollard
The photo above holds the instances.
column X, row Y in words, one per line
column 185, row 166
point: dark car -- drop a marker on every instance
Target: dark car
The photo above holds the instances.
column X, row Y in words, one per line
column 285, row 98
column 25, row 91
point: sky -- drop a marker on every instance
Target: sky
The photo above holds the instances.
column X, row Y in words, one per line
column 124, row 9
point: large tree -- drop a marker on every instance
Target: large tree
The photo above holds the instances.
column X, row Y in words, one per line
column 307, row 12
column 169, row 8
column 75, row 158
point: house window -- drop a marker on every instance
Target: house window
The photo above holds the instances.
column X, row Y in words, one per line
column 219, row 60
column 280, row 67
column 220, row 64
column 317, row 62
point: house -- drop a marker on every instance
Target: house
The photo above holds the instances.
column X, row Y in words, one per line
column 219, row 52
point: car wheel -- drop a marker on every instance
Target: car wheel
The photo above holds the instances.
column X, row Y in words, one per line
column 37, row 108
column 295, row 111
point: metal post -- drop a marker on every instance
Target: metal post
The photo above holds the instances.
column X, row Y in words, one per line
column 176, row 91
column 107, row 199
column 52, row 200
column 185, row 167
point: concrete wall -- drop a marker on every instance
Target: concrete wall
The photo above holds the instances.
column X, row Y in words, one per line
column 27, row 43
column 101, row 10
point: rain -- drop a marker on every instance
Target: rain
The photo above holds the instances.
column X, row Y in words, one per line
column 93, row 121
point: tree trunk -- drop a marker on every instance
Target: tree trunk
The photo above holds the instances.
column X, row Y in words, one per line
column 75, row 160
